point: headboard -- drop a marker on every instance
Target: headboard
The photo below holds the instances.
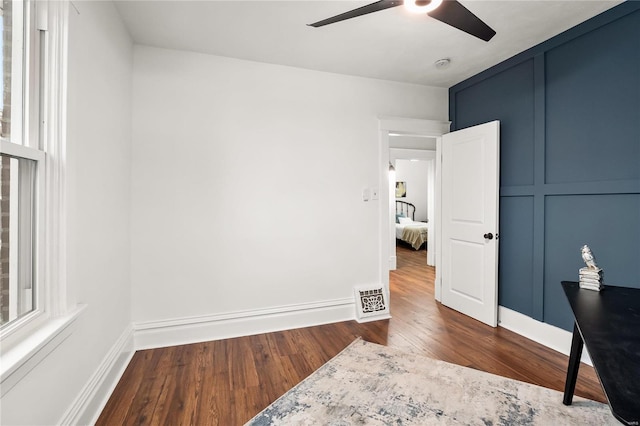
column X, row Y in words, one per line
column 408, row 209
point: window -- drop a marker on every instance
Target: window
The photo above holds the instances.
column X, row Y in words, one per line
column 31, row 141
column 22, row 162
column 34, row 317
column 18, row 239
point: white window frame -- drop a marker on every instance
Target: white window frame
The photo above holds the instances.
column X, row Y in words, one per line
column 32, row 318
column 26, row 341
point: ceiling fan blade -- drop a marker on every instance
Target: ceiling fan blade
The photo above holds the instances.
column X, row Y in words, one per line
column 364, row 10
column 453, row 13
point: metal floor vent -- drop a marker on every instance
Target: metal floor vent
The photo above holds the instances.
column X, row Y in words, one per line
column 372, row 303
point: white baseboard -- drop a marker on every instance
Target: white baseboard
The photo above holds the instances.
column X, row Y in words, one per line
column 548, row 335
column 94, row 396
column 156, row 334
column 393, row 263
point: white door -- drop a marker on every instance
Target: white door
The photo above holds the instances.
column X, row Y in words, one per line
column 470, row 181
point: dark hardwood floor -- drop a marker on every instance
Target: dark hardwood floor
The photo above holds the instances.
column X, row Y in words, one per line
column 227, row 382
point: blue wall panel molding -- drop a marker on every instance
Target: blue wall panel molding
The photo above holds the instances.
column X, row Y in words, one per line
column 539, row 198
column 516, row 112
column 593, row 103
column 606, row 18
column 569, row 112
column 516, row 253
column 609, row 224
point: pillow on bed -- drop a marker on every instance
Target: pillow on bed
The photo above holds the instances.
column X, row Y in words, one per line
column 398, row 216
column 404, row 220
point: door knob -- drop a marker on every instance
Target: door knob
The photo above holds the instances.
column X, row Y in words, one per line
column 488, row 236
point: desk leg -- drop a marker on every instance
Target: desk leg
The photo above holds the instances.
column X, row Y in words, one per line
column 574, row 365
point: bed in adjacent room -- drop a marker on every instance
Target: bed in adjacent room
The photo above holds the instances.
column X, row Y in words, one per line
column 407, row 229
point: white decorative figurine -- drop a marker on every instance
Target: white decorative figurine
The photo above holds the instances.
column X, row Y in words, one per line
column 591, row 276
column 588, row 258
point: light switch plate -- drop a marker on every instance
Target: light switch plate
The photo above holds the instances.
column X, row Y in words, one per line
column 366, row 194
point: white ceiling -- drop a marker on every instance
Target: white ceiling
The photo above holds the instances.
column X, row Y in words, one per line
column 389, row 45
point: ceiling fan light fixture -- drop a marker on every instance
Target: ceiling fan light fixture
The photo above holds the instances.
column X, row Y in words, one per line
column 421, row 6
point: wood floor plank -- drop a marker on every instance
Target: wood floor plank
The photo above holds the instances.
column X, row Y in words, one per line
column 227, row 382
column 126, row 394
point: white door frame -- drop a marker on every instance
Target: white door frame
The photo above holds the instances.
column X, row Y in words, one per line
column 405, row 126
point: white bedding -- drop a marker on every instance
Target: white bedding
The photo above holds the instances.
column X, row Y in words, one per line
column 400, row 226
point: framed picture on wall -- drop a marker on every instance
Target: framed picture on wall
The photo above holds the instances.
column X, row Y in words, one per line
column 401, row 189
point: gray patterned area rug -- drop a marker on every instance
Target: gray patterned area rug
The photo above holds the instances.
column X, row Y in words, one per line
column 370, row 384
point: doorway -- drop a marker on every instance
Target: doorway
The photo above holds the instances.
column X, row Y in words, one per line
column 391, row 127
column 416, row 168
column 471, row 146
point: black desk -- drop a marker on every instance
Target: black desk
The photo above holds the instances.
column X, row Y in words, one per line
column 608, row 322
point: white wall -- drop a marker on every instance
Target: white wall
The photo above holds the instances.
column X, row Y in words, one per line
column 99, row 159
column 414, row 173
column 247, row 182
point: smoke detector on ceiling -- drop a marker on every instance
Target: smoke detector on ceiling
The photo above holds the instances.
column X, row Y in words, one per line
column 442, row 63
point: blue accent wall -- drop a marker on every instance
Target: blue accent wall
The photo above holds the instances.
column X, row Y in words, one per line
column 569, row 112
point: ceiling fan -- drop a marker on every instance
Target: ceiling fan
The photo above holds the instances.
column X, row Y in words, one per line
column 450, row 12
